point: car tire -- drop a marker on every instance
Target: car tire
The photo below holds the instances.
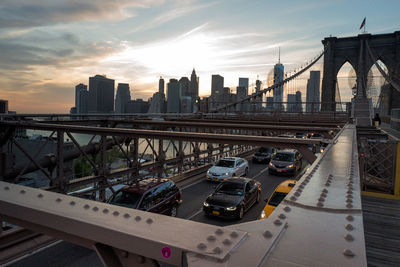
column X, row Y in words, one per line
column 246, row 172
column 258, row 196
column 241, row 212
column 174, row 211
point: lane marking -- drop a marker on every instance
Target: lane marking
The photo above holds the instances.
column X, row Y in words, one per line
column 261, row 172
column 29, row 254
column 194, row 214
column 189, row 185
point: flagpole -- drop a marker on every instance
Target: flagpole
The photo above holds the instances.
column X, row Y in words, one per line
column 365, row 26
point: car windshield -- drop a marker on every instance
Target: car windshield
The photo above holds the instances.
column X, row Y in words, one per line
column 225, row 163
column 265, row 150
column 230, row 188
column 276, row 198
column 284, row 157
column 125, row 199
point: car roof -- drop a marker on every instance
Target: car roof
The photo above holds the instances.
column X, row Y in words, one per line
column 287, row 151
column 286, row 186
column 238, row 180
column 230, row 158
column 144, row 185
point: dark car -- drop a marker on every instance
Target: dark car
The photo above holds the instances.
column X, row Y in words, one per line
column 152, row 194
column 287, row 161
column 264, row 154
column 301, row 135
column 232, row 198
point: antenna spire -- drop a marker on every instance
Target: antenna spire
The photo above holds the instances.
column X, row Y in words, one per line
column 279, row 55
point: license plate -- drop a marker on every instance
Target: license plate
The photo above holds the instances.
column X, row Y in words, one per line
column 215, row 179
column 279, row 170
column 215, row 212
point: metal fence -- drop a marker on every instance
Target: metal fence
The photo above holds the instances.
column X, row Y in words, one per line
column 395, row 119
column 379, row 166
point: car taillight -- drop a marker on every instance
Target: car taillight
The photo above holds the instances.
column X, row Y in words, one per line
column 180, row 193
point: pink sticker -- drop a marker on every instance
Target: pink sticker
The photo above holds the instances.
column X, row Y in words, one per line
column 166, row 252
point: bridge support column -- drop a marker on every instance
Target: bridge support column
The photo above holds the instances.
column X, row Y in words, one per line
column 102, row 169
column 329, row 78
column 161, row 158
column 60, row 180
column 135, row 157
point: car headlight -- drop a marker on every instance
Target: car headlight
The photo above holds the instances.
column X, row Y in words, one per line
column 290, row 166
column 208, row 172
column 262, row 215
column 230, row 208
column 206, row 204
column 271, row 164
column 227, row 173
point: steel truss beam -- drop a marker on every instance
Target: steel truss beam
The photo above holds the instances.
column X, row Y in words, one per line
column 319, row 223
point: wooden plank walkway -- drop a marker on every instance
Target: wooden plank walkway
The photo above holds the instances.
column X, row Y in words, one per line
column 382, row 231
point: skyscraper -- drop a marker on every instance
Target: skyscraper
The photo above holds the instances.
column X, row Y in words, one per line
column 79, row 104
column 3, row 106
column 244, row 82
column 278, row 91
column 313, row 92
column 184, row 87
column 101, row 94
column 122, row 97
column 161, row 85
column 217, row 85
column 194, row 85
column 83, row 106
column 298, row 107
column 291, row 103
column 173, row 97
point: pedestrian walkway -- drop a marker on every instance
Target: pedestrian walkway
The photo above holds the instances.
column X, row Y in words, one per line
column 386, row 127
column 381, row 230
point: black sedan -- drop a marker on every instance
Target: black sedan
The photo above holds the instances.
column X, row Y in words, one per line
column 232, row 198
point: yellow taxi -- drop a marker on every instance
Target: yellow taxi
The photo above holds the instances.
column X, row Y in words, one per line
column 279, row 194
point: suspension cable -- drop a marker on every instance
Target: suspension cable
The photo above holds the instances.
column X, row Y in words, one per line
column 387, row 78
column 281, row 83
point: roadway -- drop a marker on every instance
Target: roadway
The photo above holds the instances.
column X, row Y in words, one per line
column 63, row 254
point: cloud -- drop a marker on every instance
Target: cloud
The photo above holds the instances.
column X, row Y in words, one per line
column 184, row 10
column 26, row 14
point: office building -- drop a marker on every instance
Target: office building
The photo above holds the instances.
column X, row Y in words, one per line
column 3, row 106
column 161, row 85
column 184, row 87
column 278, row 91
column 244, row 82
column 79, row 103
column 313, row 92
column 194, row 85
column 217, row 85
column 299, row 107
column 173, row 96
column 101, row 94
column 122, row 97
column 137, row 106
column 291, row 103
column 270, row 104
column 186, row 104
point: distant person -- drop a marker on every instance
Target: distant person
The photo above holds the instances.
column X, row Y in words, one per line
column 377, row 120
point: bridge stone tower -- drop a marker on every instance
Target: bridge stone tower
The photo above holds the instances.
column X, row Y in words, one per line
column 338, row 51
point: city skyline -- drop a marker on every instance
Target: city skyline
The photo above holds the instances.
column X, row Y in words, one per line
column 50, row 47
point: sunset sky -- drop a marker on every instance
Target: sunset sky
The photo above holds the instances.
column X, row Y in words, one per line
column 49, row 46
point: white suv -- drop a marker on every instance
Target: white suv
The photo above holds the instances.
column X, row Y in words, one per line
column 228, row 167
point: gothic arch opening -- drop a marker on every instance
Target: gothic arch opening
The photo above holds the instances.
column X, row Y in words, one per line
column 375, row 83
column 346, row 83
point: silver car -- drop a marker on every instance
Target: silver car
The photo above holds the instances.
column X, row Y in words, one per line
column 228, row 167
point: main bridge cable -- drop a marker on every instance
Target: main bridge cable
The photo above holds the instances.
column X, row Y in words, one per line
column 271, row 87
column 386, row 76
